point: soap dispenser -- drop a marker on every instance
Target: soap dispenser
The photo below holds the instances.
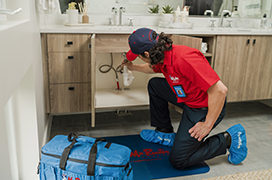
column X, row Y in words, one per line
column 177, row 15
column 185, row 14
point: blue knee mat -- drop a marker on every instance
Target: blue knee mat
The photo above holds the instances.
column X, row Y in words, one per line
column 155, row 136
column 238, row 148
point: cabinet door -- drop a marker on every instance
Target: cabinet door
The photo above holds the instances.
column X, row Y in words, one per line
column 187, row 41
column 259, row 69
column 70, row 97
column 230, row 63
column 69, row 67
column 111, row 43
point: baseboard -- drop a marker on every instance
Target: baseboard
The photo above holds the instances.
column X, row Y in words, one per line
column 47, row 130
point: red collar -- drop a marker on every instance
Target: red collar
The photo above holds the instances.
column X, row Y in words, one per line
column 167, row 58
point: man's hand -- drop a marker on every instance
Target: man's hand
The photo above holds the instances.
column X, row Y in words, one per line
column 129, row 65
column 200, row 130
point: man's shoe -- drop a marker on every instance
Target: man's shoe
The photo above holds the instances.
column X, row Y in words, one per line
column 238, row 147
column 155, row 136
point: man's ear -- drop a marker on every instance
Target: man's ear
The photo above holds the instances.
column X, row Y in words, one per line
column 146, row 54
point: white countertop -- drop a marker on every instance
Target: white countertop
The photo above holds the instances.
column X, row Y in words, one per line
column 100, row 29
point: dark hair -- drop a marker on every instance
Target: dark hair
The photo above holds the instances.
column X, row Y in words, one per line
column 156, row 53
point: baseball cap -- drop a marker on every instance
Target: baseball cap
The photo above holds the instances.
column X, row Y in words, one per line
column 139, row 41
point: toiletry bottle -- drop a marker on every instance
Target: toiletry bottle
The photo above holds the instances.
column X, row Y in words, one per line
column 178, row 15
column 185, row 14
column 264, row 21
column 235, row 13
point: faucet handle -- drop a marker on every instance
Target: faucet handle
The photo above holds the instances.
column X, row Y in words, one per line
column 213, row 23
column 130, row 21
column 229, row 25
column 110, row 21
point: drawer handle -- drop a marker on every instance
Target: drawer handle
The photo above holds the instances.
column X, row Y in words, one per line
column 70, row 43
column 248, row 41
column 71, row 88
column 70, row 57
column 254, row 41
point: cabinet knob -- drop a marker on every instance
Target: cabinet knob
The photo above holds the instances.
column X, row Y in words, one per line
column 70, row 43
column 71, row 88
column 70, row 57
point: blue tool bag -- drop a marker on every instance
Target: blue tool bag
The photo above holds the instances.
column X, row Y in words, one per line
column 84, row 158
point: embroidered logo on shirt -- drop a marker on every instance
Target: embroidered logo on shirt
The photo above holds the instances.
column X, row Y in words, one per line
column 174, row 79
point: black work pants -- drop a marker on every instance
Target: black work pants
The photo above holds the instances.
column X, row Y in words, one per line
column 186, row 150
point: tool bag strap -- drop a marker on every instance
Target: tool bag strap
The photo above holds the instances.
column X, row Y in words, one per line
column 64, row 157
column 92, row 158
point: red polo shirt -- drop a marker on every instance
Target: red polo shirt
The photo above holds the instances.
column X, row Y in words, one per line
column 189, row 74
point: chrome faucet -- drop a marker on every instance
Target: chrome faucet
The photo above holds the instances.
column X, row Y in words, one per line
column 208, row 11
column 115, row 11
column 222, row 17
column 121, row 10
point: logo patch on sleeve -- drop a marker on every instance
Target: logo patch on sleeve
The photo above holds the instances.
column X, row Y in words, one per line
column 179, row 91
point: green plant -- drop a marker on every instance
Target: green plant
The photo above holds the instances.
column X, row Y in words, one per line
column 167, row 9
column 154, row 9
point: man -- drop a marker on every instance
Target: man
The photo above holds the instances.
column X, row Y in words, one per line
column 193, row 85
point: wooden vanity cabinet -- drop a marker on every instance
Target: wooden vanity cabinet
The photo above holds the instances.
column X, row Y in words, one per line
column 245, row 67
column 69, row 64
column 67, row 72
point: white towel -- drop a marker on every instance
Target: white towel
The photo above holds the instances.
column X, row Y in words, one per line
column 49, row 6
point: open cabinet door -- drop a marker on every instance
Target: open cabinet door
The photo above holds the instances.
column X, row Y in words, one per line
column 93, row 89
column 187, row 41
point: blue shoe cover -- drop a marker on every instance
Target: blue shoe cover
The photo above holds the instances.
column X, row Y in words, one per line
column 238, row 148
column 155, row 136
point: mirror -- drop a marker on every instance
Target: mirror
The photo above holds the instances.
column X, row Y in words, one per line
column 197, row 7
column 142, row 6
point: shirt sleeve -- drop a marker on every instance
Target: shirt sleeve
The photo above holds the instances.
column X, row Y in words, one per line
column 198, row 70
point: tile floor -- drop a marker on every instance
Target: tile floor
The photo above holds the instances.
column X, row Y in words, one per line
column 255, row 116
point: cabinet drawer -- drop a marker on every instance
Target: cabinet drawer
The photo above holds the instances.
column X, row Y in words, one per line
column 68, row 42
column 70, row 97
column 69, row 67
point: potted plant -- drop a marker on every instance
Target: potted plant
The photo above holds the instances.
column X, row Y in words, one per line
column 167, row 16
column 154, row 9
column 167, row 9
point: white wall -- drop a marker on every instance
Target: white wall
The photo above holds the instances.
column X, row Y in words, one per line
column 22, row 115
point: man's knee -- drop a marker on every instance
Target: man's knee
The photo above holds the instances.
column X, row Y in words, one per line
column 176, row 161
